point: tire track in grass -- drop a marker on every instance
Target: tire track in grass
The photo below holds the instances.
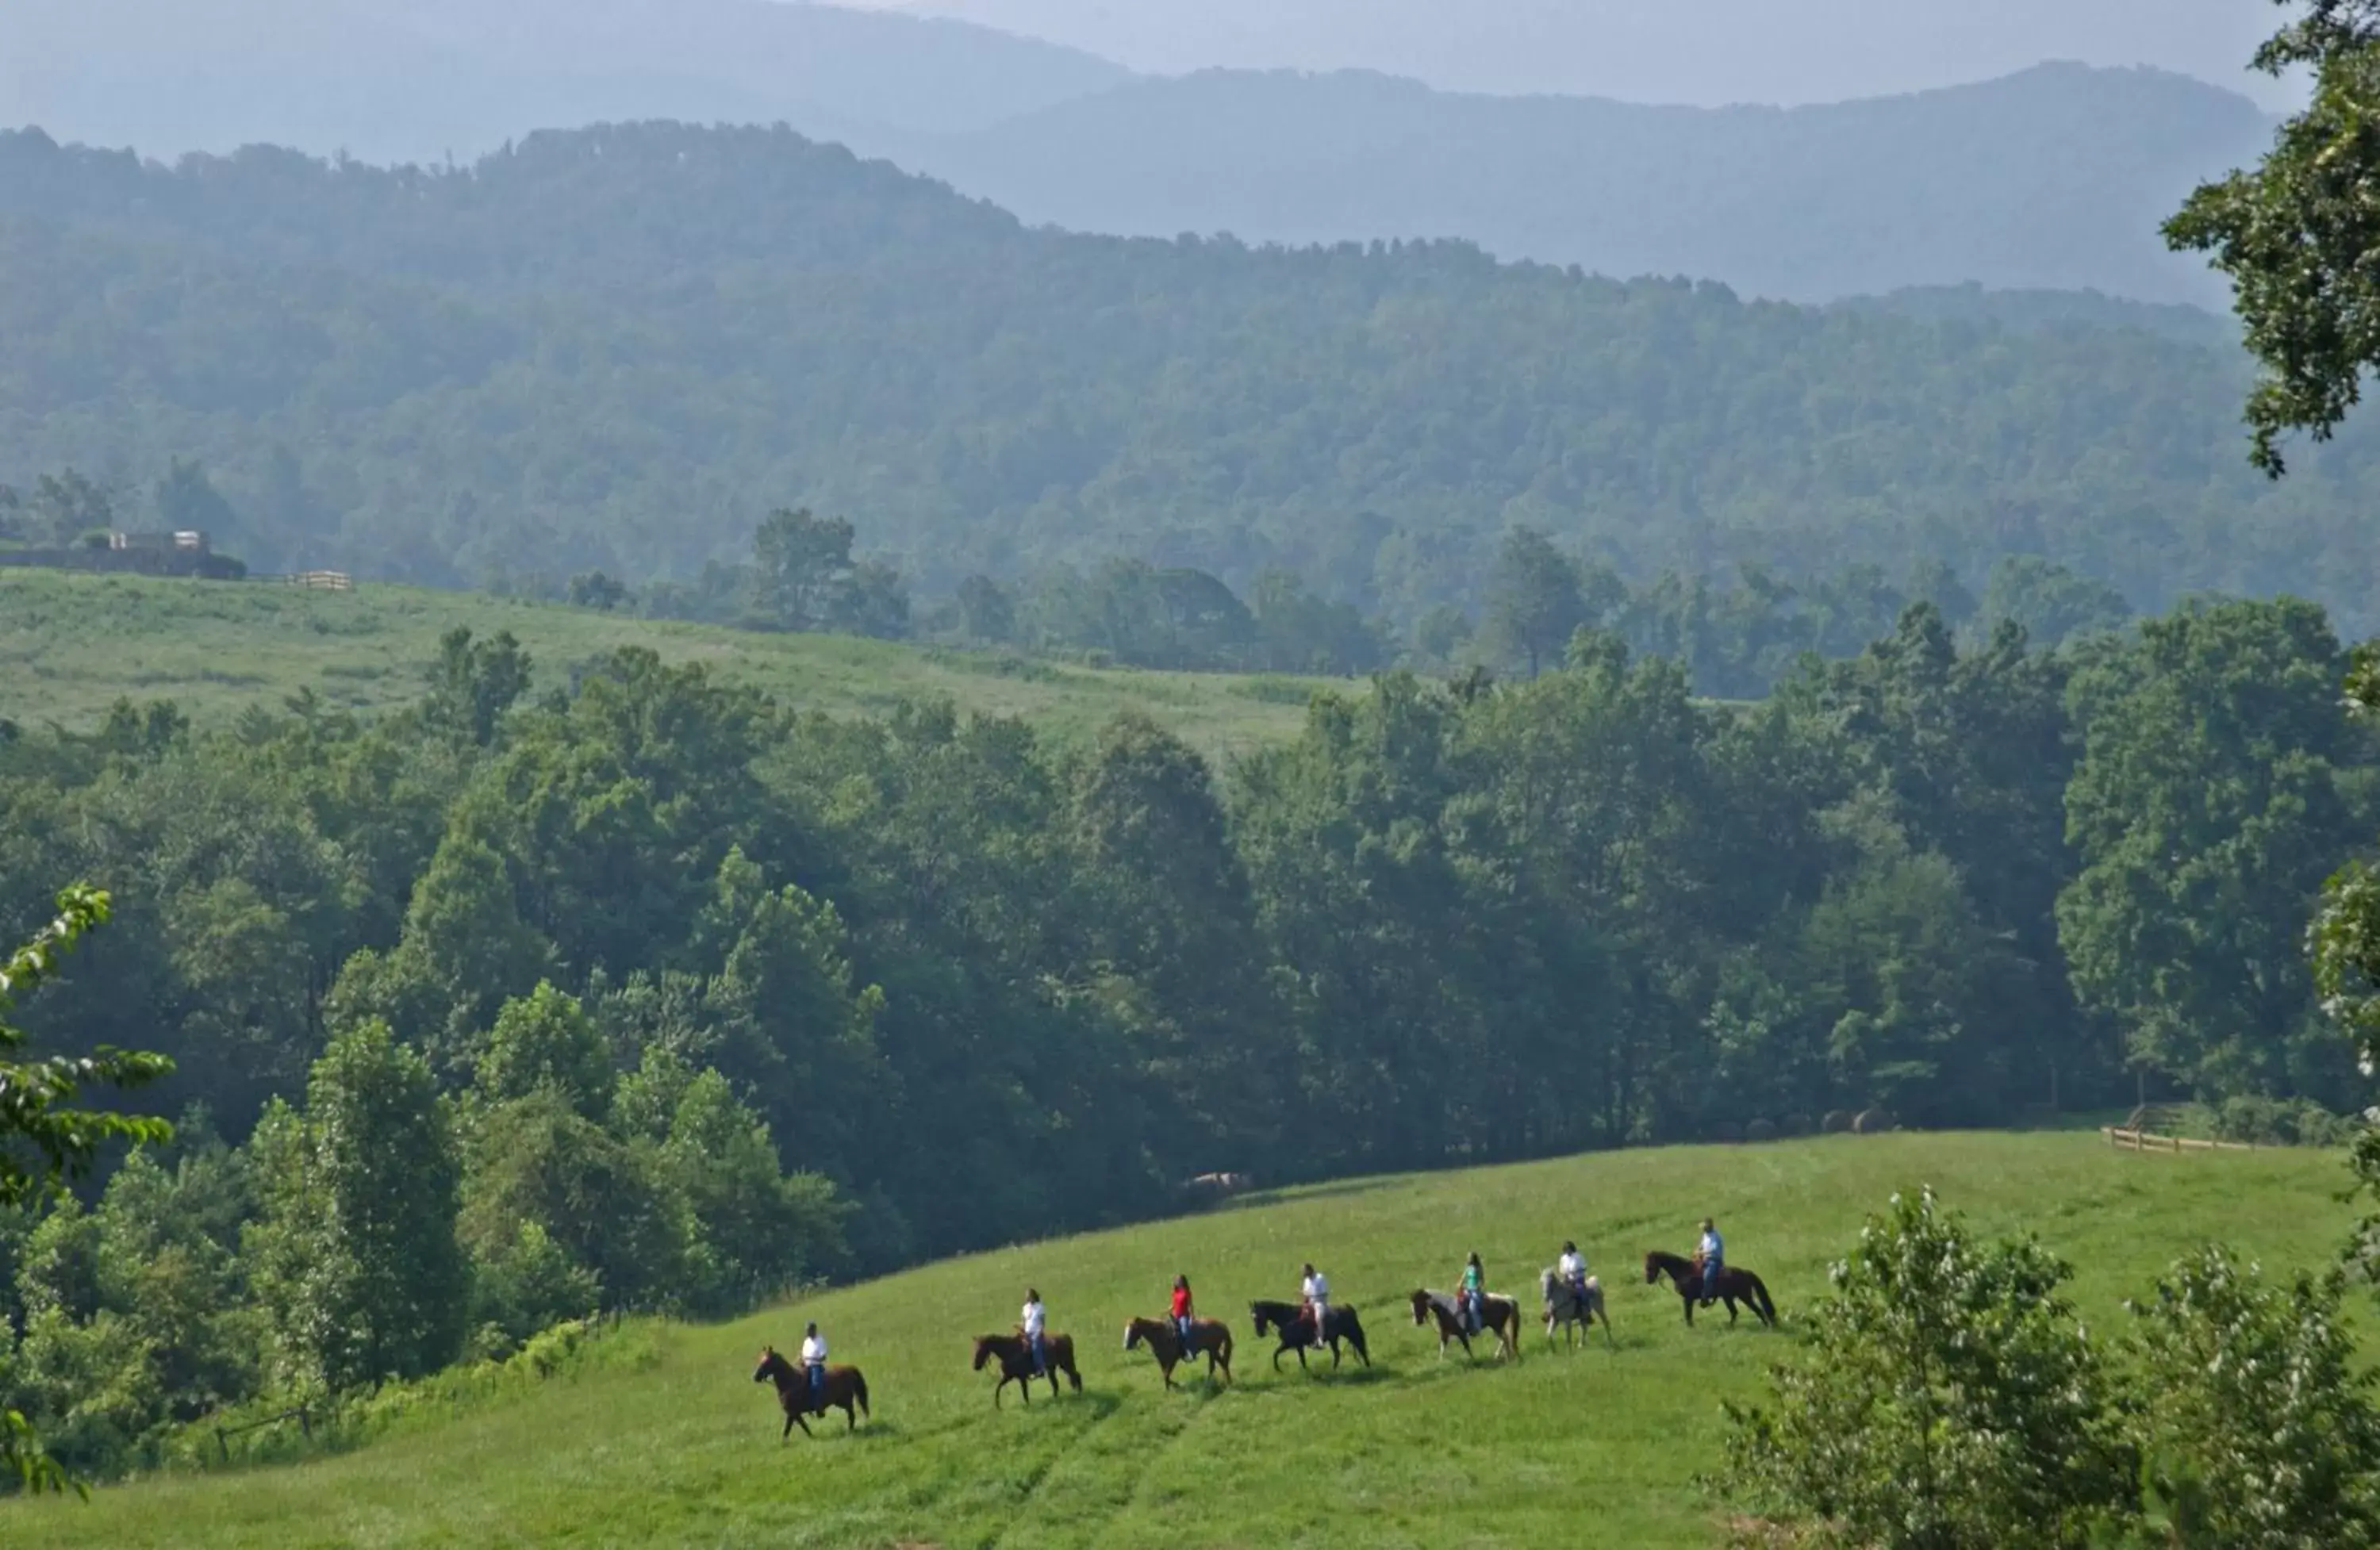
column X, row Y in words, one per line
column 1095, row 1481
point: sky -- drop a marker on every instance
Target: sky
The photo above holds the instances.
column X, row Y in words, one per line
column 1706, row 52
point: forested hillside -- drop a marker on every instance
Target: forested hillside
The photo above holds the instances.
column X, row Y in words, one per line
column 2056, row 176
column 618, row 348
column 720, row 996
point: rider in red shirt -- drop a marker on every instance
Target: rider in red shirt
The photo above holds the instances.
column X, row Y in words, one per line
column 1182, row 1311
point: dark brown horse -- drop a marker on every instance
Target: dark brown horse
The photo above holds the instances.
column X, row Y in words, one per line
column 1015, row 1354
column 1733, row 1286
column 1499, row 1316
column 843, row 1386
column 1165, row 1342
column 1297, row 1330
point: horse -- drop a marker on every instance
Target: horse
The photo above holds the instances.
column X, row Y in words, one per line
column 843, row 1386
column 1735, row 1286
column 1297, row 1331
column 1016, row 1353
column 1165, row 1342
column 1499, row 1316
column 1570, row 1310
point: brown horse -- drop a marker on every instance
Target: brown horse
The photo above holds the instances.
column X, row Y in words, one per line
column 1165, row 1342
column 1015, row 1355
column 843, row 1386
column 1499, row 1316
column 1733, row 1286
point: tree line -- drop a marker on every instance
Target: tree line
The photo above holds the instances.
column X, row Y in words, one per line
column 636, row 991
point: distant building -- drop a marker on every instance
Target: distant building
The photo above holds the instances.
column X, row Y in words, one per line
column 188, row 542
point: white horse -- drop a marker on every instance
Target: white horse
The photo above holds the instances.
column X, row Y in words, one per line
column 1569, row 1309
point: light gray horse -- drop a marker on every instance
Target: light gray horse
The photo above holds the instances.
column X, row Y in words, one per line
column 1568, row 1310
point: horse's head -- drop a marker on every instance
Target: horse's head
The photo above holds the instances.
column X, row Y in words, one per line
column 1132, row 1334
column 1259, row 1310
column 1546, row 1281
column 983, row 1347
column 1652, row 1268
column 770, row 1363
column 1421, row 1307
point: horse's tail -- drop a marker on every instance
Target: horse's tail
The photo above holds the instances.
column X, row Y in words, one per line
column 859, row 1389
column 1356, row 1336
column 1767, row 1309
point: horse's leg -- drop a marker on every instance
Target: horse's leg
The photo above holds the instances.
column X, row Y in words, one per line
column 789, row 1427
column 996, row 1401
column 1731, row 1311
column 850, row 1415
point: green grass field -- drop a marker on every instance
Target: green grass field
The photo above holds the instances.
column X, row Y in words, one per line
column 1590, row 1448
column 71, row 645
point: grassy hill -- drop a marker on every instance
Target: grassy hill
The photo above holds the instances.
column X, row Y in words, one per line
column 71, row 645
column 1596, row 1447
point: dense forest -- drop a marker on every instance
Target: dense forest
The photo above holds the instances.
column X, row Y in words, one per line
column 665, row 997
column 625, row 346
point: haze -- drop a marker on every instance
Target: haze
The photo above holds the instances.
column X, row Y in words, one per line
column 1712, row 53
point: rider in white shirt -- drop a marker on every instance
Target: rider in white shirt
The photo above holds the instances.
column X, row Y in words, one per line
column 1033, row 1321
column 1572, row 1269
column 814, row 1359
column 1713, row 1259
column 1316, row 1289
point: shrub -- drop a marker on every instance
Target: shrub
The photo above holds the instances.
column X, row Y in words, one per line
column 1795, row 1124
column 1873, row 1121
column 1950, row 1401
column 1727, row 1129
column 1836, row 1122
column 1760, row 1130
column 2254, row 1428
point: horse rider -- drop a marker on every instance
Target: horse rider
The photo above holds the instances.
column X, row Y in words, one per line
column 1316, row 1291
column 814, row 1363
column 1472, row 1290
column 1710, row 1259
column 1570, row 1270
column 1182, row 1320
column 1033, row 1321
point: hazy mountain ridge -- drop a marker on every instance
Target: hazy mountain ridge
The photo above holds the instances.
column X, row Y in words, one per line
column 2053, row 178
column 418, row 81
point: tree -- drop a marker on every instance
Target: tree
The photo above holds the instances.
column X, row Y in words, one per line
column 2206, row 809
column 985, row 611
column 2295, row 234
column 1535, row 602
column 1950, row 1401
column 188, row 500
column 473, row 683
column 44, row 1140
column 2217, row 1343
column 803, row 578
column 357, row 1258
column 2344, row 942
column 545, row 1040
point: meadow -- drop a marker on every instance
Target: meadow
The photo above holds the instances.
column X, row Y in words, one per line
column 72, row 645
column 1596, row 1446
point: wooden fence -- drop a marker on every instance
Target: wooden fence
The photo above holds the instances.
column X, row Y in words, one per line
column 327, row 581
column 2126, row 1138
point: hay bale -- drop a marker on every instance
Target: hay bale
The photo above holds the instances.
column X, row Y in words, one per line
column 1873, row 1121
column 1795, row 1124
column 1838, row 1121
column 1727, row 1129
column 1760, row 1130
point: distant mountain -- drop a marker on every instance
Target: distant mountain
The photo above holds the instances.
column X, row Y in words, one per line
column 390, row 81
column 1711, row 52
column 617, row 347
column 2053, row 178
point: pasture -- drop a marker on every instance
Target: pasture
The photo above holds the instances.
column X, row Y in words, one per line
column 1594, row 1447
column 71, row 645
